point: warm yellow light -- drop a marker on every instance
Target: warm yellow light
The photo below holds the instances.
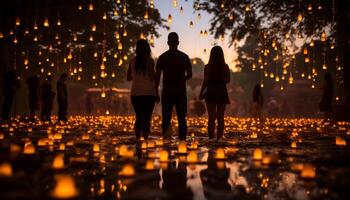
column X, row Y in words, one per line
column 339, row 141
column 91, row 6
column 192, row 157
column 170, row 18
column 46, row 22
column 308, row 171
column 257, row 154
column 65, row 187
column 127, row 170
column 220, row 153
column 58, row 162
column 182, row 147
column 164, row 156
column 5, row 169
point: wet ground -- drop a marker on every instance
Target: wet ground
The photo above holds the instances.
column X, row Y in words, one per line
column 98, row 158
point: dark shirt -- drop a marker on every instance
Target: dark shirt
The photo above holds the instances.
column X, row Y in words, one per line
column 61, row 91
column 174, row 63
column 47, row 94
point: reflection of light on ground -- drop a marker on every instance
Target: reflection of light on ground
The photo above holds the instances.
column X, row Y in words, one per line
column 235, row 177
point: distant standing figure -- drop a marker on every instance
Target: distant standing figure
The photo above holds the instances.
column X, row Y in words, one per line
column 11, row 84
column 214, row 91
column 258, row 101
column 33, row 84
column 143, row 93
column 62, row 97
column 88, row 104
column 177, row 69
column 46, row 97
column 327, row 96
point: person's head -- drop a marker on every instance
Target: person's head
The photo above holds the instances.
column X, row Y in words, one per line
column 217, row 56
column 143, row 53
column 173, row 40
column 64, row 76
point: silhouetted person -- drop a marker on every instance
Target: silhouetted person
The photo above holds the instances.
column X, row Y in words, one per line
column 33, row 84
column 176, row 67
column 62, row 97
column 143, row 93
column 258, row 101
column 10, row 86
column 327, row 96
column 215, row 178
column 214, row 91
column 174, row 181
column 46, row 97
column 88, row 104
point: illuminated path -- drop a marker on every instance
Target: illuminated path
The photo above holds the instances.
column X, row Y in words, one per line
column 97, row 158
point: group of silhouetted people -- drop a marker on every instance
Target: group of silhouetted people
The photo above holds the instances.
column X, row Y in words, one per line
column 176, row 68
column 40, row 96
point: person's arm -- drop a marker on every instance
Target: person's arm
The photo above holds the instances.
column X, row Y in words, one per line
column 204, row 84
column 188, row 69
column 227, row 74
column 157, row 75
column 151, row 72
column 60, row 91
column 129, row 74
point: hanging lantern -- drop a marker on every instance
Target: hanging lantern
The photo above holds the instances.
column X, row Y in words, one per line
column 115, row 13
column 120, row 46
column 247, row 8
column 146, row 15
column 91, row 38
column 35, row 26
column 300, row 17
column 309, row 7
column 305, row 51
column 104, row 16
column 290, row 79
column 80, row 7
column 102, row 66
column 170, row 19
column 91, row 7
column 191, row 24
column 93, row 28
column 18, row 21
column 1, row 35
column 175, row 3
column 312, row 44
column 142, row 36
column 125, row 9
column 323, row 36
column 307, row 60
column 46, row 22
column 181, row 9
column 58, row 22
column 199, row 16
column 152, row 40
column 125, row 33
column 324, row 66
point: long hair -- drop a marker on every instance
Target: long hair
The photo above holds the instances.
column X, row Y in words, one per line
column 216, row 64
column 143, row 53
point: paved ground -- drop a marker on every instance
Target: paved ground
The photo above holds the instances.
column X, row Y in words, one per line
column 98, row 158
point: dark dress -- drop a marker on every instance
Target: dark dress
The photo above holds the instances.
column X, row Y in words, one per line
column 216, row 91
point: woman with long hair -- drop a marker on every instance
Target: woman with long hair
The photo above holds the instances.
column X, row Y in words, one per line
column 143, row 97
column 214, row 91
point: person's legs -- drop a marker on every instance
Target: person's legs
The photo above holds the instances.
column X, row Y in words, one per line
column 220, row 113
column 6, row 107
column 167, row 110
column 181, row 111
column 211, row 108
column 137, row 104
column 149, row 102
column 62, row 110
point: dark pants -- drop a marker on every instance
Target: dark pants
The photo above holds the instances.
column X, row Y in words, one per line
column 46, row 110
column 216, row 112
column 143, row 106
column 179, row 100
column 62, row 110
column 6, row 106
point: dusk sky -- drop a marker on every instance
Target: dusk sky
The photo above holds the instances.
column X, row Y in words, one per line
column 191, row 42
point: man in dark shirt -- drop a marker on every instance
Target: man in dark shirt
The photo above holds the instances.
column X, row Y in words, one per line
column 62, row 99
column 176, row 67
